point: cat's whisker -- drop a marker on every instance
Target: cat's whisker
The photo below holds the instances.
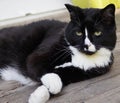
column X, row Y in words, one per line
column 58, row 57
column 66, row 56
column 63, row 46
column 63, row 54
column 62, row 50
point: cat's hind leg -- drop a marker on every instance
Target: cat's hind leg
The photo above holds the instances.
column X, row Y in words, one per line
column 12, row 73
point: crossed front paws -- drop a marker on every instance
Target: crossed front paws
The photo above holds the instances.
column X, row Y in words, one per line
column 51, row 83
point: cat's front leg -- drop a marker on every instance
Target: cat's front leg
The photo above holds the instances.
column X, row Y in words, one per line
column 51, row 84
column 40, row 95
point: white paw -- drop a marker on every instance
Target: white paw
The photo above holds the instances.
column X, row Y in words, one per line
column 53, row 82
column 40, row 95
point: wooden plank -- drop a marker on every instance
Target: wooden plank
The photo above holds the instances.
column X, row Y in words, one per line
column 112, row 96
column 78, row 95
column 19, row 95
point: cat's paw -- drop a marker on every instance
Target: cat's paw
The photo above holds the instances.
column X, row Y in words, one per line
column 40, row 95
column 53, row 82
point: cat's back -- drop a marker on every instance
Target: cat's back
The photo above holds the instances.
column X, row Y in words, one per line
column 28, row 37
column 31, row 33
column 18, row 42
column 32, row 28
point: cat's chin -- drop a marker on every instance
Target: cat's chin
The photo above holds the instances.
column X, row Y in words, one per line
column 88, row 52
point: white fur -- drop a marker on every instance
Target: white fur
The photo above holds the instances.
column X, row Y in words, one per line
column 87, row 41
column 10, row 73
column 100, row 59
column 64, row 65
column 53, row 82
column 91, row 46
column 40, row 95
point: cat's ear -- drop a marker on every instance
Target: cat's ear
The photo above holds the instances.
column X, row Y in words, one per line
column 70, row 8
column 108, row 13
column 74, row 11
column 109, row 10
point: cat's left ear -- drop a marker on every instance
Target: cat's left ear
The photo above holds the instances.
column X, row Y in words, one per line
column 109, row 10
column 108, row 13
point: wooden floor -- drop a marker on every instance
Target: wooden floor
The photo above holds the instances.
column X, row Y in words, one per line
column 103, row 89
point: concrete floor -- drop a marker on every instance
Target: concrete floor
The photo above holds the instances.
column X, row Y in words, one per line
column 103, row 89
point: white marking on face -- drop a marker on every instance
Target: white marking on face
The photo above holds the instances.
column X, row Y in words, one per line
column 100, row 59
column 40, row 95
column 90, row 45
column 10, row 73
column 53, row 82
column 87, row 41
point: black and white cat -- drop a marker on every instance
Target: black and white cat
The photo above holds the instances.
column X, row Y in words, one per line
column 56, row 53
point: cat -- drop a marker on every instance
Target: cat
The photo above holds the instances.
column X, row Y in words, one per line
column 55, row 53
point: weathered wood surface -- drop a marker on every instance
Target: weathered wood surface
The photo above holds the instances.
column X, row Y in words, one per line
column 103, row 89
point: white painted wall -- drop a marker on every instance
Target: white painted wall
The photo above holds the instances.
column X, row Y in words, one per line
column 17, row 8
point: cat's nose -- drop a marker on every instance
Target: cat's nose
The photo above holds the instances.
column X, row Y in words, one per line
column 86, row 47
column 88, row 42
column 90, row 48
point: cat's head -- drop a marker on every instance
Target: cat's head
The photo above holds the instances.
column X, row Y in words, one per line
column 91, row 29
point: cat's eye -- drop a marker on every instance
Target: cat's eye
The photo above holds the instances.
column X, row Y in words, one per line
column 78, row 33
column 97, row 33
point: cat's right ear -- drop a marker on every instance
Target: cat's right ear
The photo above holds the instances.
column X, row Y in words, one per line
column 70, row 7
column 73, row 10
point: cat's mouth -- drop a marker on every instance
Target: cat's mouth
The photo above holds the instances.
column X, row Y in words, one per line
column 89, row 52
column 76, row 50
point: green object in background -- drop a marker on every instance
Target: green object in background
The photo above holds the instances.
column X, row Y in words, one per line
column 95, row 3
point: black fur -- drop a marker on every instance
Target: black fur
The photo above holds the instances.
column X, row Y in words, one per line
column 36, row 49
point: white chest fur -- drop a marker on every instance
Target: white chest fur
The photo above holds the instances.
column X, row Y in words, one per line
column 100, row 59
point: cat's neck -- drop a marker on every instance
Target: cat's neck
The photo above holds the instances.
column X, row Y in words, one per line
column 101, row 59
